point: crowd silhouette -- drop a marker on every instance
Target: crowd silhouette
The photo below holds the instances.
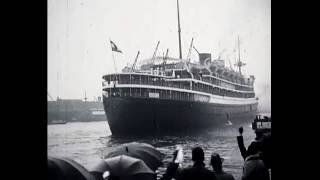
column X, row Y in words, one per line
column 256, row 166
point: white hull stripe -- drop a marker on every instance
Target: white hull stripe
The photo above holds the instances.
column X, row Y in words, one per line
column 213, row 98
column 106, row 84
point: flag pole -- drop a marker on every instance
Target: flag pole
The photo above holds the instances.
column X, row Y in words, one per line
column 114, row 62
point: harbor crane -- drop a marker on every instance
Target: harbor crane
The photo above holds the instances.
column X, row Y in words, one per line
column 189, row 52
column 135, row 62
column 165, row 57
column 155, row 52
column 196, row 49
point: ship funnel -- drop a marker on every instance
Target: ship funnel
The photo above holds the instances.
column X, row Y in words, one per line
column 203, row 57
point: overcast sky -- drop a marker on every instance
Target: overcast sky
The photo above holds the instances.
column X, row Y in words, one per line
column 79, row 51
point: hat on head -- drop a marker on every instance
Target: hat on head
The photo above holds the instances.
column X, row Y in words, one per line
column 215, row 158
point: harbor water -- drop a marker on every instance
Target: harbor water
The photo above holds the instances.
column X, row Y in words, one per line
column 88, row 142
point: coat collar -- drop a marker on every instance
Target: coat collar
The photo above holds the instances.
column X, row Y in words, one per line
column 253, row 157
column 198, row 164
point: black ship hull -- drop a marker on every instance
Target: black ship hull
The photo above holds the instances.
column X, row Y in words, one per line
column 128, row 115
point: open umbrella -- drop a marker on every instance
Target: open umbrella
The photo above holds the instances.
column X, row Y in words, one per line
column 67, row 169
column 146, row 152
column 124, row 168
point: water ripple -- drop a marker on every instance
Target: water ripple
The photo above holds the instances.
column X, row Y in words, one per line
column 87, row 143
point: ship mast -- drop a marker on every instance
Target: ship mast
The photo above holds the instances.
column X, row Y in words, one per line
column 239, row 64
column 179, row 31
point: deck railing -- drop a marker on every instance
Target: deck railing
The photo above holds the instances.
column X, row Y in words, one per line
column 160, row 81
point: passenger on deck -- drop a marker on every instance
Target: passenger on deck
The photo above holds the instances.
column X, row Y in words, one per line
column 196, row 172
column 216, row 163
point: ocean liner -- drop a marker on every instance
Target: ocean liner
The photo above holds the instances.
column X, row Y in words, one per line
column 168, row 94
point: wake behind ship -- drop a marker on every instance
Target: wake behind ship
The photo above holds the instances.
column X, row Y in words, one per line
column 168, row 94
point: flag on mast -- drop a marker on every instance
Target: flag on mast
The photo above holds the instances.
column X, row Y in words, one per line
column 114, row 47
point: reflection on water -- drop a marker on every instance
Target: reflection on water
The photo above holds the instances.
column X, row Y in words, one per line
column 88, row 142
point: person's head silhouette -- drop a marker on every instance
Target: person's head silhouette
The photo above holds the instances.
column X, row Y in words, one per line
column 216, row 162
column 197, row 154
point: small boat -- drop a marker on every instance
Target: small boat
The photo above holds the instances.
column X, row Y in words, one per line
column 229, row 123
column 262, row 122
